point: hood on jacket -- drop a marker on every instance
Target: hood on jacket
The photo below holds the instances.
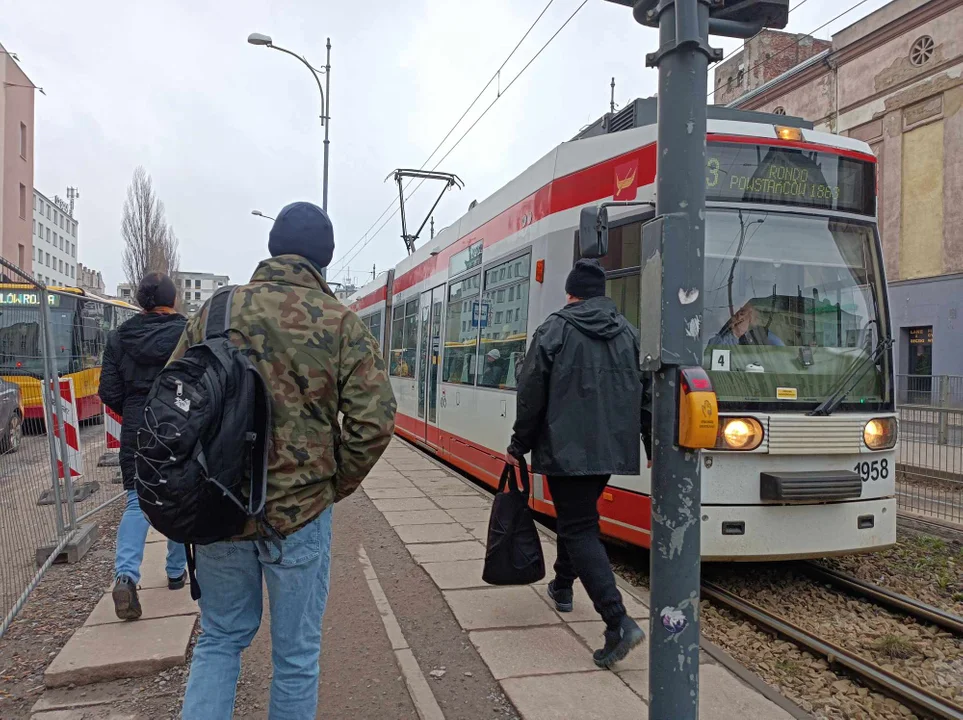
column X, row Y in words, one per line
column 596, row 317
column 150, row 338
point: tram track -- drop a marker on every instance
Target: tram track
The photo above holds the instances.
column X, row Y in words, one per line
column 908, row 693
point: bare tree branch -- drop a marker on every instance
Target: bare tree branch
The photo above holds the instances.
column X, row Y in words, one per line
column 150, row 244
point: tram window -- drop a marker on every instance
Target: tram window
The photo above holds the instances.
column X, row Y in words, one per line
column 373, row 323
column 461, row 334
column 404, row 339
column 504, row 323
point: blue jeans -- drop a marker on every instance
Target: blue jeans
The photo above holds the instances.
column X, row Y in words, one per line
column 131, row 537
column 229, row 575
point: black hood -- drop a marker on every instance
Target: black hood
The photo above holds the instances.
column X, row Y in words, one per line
column 150, row 338
column 596, row 317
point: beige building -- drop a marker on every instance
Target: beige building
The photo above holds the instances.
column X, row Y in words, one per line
column 895, row 80
column 90, row 280
column 16, row 163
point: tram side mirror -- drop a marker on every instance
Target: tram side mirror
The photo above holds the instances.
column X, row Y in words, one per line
column 593, row 232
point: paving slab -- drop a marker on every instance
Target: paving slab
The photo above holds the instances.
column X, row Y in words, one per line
column 471, row 515
column 586, row 696
column 638, row 680
column 156, row 603
column 592, row 635
column 417, row 517
column 115, row 650
column 422, row 476
column 451, row 502
column 97, row 713
column 392, row 493
column 480, row 530
column 445, row 486
column 447, row 552
column 153, row 569
column 116, row 692
column 400, row 504
column 584, row 610
column 387, row 482
column 500, row 607
column 456, row 575
column 532, row 651
column 434, row 533
column 723, row 696
column 154, row 537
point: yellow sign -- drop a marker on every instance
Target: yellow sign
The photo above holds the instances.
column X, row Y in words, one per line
column 786, row 393
column 698, row 410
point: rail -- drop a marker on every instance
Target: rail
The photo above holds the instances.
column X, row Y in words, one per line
column 891, row 684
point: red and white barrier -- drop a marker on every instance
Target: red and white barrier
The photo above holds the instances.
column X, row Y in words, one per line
column 68, row 402
column 112, row 425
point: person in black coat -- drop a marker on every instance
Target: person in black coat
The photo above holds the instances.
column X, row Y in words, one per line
column 136, row 352
column 581, row 409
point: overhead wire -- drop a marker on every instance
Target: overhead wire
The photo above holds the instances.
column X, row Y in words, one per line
column 481, row 92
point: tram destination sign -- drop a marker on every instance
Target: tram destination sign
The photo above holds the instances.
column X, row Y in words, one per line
column 27, row 298
column 757, row 173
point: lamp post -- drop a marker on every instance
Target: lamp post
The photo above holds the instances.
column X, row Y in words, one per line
column 266, row 41
column 258, row 213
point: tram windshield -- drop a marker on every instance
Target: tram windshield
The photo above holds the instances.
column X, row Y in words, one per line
column 792, row 303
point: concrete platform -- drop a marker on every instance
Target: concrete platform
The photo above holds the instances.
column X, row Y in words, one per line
column 542, row 658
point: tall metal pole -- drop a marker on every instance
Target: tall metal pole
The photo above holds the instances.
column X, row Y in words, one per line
column 682, row 59
column 327, row 124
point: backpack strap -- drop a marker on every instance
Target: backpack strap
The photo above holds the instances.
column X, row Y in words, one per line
column 219, row 312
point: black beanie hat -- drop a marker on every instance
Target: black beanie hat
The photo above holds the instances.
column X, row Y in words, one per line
column 587, row 280
column 304, row 229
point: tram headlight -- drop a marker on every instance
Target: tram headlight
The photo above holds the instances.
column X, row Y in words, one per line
column 880, row 433
column 739, row 433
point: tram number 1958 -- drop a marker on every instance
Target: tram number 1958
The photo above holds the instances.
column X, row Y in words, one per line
column 873, row 470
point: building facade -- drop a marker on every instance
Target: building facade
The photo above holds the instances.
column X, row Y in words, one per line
column 895, row 80
column 54, row 235
column 16, row 162
column 196, row 288
column 90, row 280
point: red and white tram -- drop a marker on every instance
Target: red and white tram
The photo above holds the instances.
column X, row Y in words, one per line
column 795, row 312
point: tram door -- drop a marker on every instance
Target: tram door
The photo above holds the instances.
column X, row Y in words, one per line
column 429, row 357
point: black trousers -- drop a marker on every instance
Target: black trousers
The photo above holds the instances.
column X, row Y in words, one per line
column 580, row 551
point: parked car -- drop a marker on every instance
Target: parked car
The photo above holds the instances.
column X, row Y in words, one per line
column 11, row 417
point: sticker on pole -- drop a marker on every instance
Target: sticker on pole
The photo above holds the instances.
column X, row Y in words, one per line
column 673, row 620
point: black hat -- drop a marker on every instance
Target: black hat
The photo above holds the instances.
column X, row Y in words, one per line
column 587, row 280
column 304, row 229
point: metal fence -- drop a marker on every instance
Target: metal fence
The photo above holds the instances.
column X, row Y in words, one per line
column 44, row 501
column 930, row 460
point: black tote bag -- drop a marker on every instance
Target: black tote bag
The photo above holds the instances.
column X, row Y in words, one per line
column 513, row 555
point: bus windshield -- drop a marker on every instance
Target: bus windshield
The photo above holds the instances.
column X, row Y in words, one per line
column 21, row 337
column 792, row 302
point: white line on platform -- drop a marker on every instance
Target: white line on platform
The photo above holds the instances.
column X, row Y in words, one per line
column 418, row 688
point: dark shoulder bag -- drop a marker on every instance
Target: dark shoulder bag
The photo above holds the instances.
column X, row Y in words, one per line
column 513, row 555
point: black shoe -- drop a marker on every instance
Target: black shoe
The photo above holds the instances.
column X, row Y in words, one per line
column 126, row 602
column 178, row 582
column 618, row 643
column 562, row 597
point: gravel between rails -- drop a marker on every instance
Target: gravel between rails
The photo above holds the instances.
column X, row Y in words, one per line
column 919, row 652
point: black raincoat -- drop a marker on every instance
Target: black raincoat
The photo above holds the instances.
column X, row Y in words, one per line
column 582, row 401
column 136, row 352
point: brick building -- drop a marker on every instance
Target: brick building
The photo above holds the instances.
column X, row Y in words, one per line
column 895, row 80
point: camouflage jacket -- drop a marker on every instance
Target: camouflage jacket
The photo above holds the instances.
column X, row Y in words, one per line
column 320, row 361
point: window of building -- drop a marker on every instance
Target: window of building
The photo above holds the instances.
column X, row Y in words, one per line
column 39, row 255
column 197, row 283
column 404, row 339
column 47, row 259
column 73, row 271
column 21, row 255
column 23, row 141
column 61, row 222
column 23, row 201
column 34, row 227
column 48, row 234
column 922, row 50
column 187, row 296
column 461, row 336
column 504, row 337
column 197, row 296
column 73, row 250
column 34, row 202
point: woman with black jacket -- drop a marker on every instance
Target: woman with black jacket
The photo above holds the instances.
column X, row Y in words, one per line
column 136, row 352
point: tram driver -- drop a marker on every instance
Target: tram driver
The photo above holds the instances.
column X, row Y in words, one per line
column 744, row 328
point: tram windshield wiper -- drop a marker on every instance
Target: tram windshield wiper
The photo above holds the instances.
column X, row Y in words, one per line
column 850, row 379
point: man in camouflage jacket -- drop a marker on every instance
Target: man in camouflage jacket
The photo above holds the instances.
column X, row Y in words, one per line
column 333, row 416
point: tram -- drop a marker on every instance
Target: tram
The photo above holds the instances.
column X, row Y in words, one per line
column 796, row 328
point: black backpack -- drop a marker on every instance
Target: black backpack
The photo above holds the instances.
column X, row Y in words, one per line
column 202, row 447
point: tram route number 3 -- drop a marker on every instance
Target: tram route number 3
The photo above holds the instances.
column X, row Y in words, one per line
column 873, row 470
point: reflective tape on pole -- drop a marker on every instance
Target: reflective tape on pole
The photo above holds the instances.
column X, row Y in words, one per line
column 112, row 426
column 68, row 402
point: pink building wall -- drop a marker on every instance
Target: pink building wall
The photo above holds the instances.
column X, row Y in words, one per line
column 16, row 170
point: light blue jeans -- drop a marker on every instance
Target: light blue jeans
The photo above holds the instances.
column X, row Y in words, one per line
column 131, row 537
column 230, row 577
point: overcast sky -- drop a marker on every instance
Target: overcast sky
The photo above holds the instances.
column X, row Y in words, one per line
column 224, row 127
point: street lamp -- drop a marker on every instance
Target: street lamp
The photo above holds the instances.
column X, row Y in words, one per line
column 266, row 41
column 262, row 215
